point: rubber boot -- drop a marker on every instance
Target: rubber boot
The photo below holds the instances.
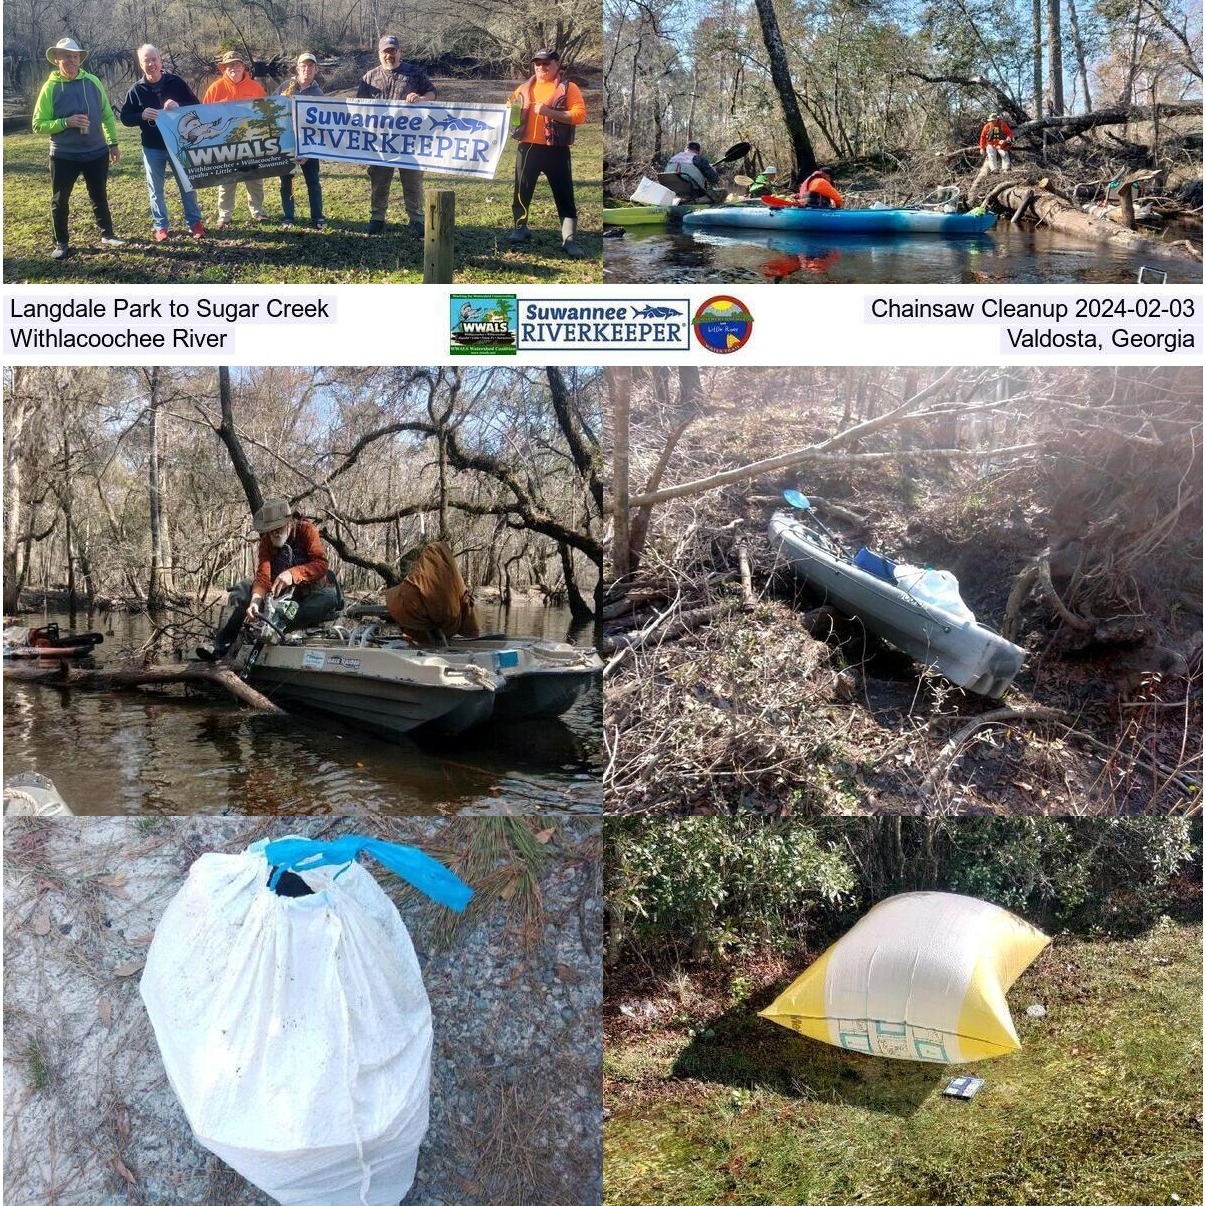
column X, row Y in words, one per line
column 520, row 234
column 569, row 227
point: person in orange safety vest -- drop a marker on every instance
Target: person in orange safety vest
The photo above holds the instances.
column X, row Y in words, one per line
column 995, row 140
column 550, row 109
column 817, row 192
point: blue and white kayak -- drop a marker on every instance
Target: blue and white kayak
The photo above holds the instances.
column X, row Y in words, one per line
column 842, row 221
column 943, row 636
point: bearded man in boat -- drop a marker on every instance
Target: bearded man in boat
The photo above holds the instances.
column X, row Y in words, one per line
column 817, row 192
column 291, row 556
column 995, row 140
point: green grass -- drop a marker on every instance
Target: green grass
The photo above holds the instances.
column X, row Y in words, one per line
column 1101, row 1105
column 247, row 253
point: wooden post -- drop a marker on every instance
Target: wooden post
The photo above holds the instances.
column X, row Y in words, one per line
column 440, row 205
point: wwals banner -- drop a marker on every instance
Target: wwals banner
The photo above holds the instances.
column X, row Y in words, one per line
column 463, row 140
column 231, row 141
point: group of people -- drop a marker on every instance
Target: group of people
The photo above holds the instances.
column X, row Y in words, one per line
column 74, row 110
column 817, row 190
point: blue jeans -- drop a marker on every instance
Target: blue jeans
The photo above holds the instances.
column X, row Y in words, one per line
column 309, row 171
column 156, row 163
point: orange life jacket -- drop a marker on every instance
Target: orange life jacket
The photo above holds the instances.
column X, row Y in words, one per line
column 556, row 133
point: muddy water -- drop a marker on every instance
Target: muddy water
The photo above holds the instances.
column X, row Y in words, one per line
column 130, row 753
column 1007, row 255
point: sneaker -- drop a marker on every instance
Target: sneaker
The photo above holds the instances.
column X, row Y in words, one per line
column 221, row 224
column 376, row 226
column 61, row 251
column 286, row 224
column 197, row 230
column 112, row 241
column 520, row 234
column 161, row 236
column 259, row 217
column 321, row 224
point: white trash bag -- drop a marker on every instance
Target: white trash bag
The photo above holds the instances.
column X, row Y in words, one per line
column 295, row 1029
column 939, row 587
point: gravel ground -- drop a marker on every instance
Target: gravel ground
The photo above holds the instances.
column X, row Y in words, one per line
column 515, row 993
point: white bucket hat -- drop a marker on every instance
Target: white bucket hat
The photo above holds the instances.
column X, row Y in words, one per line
column 69, row 46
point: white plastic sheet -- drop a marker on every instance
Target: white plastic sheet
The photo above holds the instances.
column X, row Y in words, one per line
column 296, row 1032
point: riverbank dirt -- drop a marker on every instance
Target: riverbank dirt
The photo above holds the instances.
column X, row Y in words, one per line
column 515, row 992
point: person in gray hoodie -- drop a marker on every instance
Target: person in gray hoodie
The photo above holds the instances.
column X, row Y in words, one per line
column 74, row 110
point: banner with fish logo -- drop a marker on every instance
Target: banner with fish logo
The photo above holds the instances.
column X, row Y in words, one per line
column 460, row 140
column 230, row 141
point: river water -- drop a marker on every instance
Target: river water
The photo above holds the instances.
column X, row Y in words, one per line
column 1007, row 255
column 127, row 752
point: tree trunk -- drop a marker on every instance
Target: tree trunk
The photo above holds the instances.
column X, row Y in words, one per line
column 16, row 413
column 230, row 437
column 1059, row 215
column 806, row 160
column 1055, row 58
column 579, row 608
column 155, row 584
column 620, row 381
column 1078, row 48
column 1036, row 77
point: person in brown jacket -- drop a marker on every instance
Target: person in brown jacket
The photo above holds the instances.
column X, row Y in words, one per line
column 291, row 556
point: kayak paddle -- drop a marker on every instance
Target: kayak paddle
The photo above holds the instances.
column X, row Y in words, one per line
column 797, row 500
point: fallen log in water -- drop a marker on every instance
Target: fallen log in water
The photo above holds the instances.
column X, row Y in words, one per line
column 1067, row 219
column 192, row 674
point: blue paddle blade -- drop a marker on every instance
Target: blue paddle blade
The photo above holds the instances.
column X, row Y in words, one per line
column 419, row 870
column 797, row 500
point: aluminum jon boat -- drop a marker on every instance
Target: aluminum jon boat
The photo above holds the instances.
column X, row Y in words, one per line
column 842, row 221
column 969, row 654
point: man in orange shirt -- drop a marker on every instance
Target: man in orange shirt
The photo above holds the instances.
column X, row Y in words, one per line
column 817, row 192
column 290, row 556
column 995, row 140
column 235, row 84
column 550, row 109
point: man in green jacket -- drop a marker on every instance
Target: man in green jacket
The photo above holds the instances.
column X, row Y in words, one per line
column 74, row 110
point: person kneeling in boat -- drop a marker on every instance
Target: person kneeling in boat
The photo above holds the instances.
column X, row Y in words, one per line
column 995, row 140
column 764, row 182
column 693, row 166
column 291, row 556
column 817, row 192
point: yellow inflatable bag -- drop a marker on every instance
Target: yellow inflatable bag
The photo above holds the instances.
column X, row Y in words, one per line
column 921, row 976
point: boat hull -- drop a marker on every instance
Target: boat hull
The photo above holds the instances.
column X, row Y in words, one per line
column 389, row 691
column 843, row 221
column 969, row 654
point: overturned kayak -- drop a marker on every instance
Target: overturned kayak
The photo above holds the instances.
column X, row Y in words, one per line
column 842, row 221
column 944, row 638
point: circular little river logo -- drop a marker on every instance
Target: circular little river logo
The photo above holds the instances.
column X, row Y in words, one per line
column 723, row 324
